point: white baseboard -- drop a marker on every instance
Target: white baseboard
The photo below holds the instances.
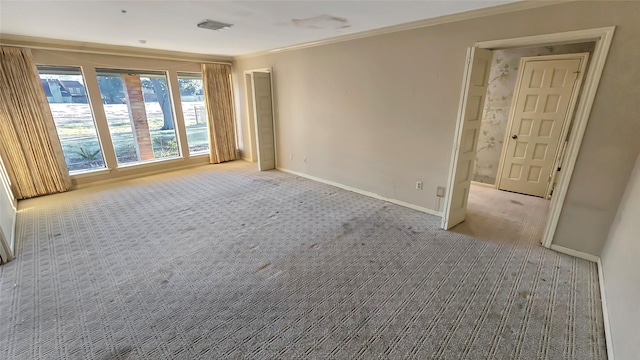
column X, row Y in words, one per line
column 605, row 313
column 12, row 244
column 603, row 297
column 578, row 254
column 365, row 193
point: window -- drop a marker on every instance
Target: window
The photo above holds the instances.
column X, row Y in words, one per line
column 195, row 115
column 73, row 118
column 139, row 114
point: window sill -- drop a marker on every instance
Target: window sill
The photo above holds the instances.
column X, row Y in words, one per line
column 198, row 154
column 83, row 174
column 127, row 167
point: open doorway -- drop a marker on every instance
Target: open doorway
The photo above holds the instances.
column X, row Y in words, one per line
column 528, row 112
column 260, row 111
column 489, row 134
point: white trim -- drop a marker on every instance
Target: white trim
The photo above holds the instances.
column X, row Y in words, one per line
column 248, row 89
column 603, row 297
column 89, row 173
column 273, row 119
column 602, row 37
column 201, row 153
column 39, row 43
column 605, row 312
column 576, row 253
column 581, row 117
column 12, row 244
column 255, row 120
column 568, row 37
column 467, row 15
column 269, row 71
column 451, row 179
column 144, row 164
column 253, row 153
column 566, row 122
column 481, row 184
column 362, row 192
column 144, row 174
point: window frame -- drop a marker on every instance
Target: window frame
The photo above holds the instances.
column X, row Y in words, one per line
column 51, row 69
column 194, row 75
column 99, row 71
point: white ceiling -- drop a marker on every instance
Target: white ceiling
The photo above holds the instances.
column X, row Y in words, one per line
column 171, row 25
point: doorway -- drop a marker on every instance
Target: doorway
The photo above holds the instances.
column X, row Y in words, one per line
column 261, row 122
column 468, row 130
column 542, row 109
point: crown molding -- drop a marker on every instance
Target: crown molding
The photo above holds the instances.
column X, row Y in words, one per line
column 104, row 49
column 467, row 15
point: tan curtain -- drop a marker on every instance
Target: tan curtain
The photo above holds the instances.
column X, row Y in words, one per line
column 219, row 100
column 29, row 143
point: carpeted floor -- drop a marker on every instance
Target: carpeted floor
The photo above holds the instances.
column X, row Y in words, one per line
column 226, row 262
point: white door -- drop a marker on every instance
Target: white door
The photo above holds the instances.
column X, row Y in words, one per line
column 263, row 110
column 474, row 91
column 541, row 108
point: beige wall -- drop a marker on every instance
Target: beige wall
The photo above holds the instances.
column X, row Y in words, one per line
column 379, row 113
column 621, row 272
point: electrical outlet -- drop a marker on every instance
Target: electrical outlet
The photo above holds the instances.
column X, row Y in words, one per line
column 440, row 191
column 418, row 185
column 290, row 156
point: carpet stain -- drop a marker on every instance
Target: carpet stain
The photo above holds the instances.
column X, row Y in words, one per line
column 516, row 202
column 523, row 294
column 120, row 353
column 263, row 267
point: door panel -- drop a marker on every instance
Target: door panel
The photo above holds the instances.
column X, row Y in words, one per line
column 263, row 109
column 541, row 106
column 472, row 105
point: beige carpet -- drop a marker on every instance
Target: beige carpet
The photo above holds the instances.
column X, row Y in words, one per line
column 498, row 215
column 226, row 262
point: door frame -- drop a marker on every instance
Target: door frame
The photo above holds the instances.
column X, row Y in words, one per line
column 566, row 123
column 602, row 38
column 251, row 115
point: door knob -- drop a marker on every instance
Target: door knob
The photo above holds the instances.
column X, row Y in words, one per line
column 514, row 137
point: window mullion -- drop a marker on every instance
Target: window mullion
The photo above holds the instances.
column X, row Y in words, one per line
column 95, row 98
column 178, row 112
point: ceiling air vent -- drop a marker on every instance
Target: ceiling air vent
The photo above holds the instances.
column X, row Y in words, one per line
column 214, row 25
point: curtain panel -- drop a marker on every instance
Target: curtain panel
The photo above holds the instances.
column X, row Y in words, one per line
column 29, row 142
column 219, row 104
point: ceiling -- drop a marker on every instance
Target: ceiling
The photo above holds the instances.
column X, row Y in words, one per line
column 257, row 25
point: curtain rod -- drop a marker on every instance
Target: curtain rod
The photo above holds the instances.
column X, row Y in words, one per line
column 113, row 53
